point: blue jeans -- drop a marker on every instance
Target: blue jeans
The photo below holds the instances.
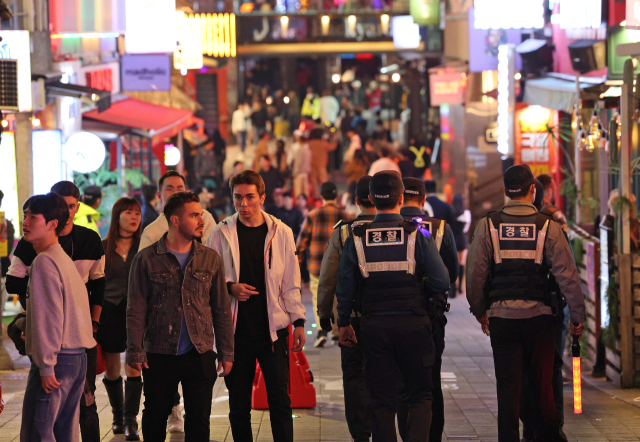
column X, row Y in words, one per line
column 242, row 139
column 54, row 416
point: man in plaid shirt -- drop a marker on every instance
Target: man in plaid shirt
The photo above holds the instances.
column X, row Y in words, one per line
column 313, row 239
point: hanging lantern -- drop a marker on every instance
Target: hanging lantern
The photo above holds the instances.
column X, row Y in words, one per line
column 584, row 143
column 595, row 131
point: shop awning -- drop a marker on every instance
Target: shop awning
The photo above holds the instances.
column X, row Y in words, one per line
column 150, row 120
column 560, row 94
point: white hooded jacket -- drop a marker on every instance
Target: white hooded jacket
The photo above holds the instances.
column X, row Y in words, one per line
column 282, row 272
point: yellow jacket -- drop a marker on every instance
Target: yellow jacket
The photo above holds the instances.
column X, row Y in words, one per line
column 311, row 108
column 87, row 217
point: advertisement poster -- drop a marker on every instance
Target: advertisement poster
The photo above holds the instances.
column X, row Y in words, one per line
column 533, row 145
column 146, row 72
column 483, row 46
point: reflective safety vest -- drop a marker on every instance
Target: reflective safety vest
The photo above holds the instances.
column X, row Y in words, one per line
column 386, row 259
column 435, row 227
column 519, row 270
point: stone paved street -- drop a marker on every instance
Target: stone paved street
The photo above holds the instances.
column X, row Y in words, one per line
column 468, row 382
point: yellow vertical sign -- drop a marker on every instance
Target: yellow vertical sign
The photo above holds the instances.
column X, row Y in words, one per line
column 218, row 32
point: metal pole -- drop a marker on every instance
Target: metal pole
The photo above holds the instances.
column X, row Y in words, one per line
column 576, row 153
column 625, row 152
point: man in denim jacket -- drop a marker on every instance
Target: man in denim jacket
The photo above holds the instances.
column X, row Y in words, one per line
column 177, row 298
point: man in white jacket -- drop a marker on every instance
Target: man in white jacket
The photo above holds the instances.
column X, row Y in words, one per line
column 169, row 183
column 263, row 278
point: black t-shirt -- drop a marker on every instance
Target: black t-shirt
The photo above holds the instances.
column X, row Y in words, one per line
column 253, row 317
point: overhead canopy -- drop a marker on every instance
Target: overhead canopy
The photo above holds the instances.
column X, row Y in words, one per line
column 150, row 120
column 559, row 94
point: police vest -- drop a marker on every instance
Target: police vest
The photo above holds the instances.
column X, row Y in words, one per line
column 386, row 259
column 346, row 228
column 519, row 270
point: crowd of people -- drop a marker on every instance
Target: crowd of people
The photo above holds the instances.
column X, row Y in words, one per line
column 173, row 275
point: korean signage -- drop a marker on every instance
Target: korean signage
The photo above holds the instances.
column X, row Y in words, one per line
column 151, row 26
column 447, row 87
column 188, row 54
column 145, row 72
column 15, row 45
column 533, row 145
column 508, row 14
column 484, row 43
column 103, row 76
column 425, row 12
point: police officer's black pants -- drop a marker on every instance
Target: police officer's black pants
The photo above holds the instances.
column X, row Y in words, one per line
column 437, row 408
column 357, row 404
column 392, row 343
column 528, row 409
column 524, row 345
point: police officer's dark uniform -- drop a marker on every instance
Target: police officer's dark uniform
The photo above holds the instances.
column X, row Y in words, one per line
column 510, row 259
column 387, row 264
column 357, row 406
column 441, row 233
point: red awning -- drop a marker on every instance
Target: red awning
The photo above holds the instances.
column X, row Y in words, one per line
column 158, row 121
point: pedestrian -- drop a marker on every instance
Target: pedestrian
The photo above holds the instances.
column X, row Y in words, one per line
column 312, row 242
column 258, row 119
column 7, row 233
column 384, row 162
column 120, row 246
column 177, row 305
column 421, row 158
column 261, row 149
column 549, row 203
column 150, row 202
column 442, row 234
column 357, row 406
column 293, row 110
column 84, row 247
column 435, row 206
column 320, row 146
column 311, row 105
column 272, row 180
column 460, row 228
column 357, row 167
column 329, row 108
column 383, row 265
column 169, row 183
column 301, row 169
column 289, row 214
column 407, row 169
column 88, row 215
column 355, row 143
column 58, row 329
column 513, row 252
column 239, row 126
column 259, row 256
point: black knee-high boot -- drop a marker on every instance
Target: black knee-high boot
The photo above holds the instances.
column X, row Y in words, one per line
column 116, row 399
column 132, row 394
column 460, row 276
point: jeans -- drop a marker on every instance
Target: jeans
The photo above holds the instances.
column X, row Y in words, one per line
column 89, row 423
column 54, row 416
column 357, row 404
column 273, row 358
column 242, row 139
column 399, row 343
column 525, row 346
column 313, row 286
column 437, row 407
column 160, row 384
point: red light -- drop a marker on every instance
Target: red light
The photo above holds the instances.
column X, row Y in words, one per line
column 364, row 56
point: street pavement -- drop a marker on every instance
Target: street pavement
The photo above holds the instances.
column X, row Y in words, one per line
column 468, row 382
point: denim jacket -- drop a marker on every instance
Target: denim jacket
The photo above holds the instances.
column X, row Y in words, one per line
column 158, row 294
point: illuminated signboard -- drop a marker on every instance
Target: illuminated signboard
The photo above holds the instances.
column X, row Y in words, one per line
column 146, row 72
column 406, row 33
column 217, row 34
column 151, row 26
column 15, row 45
column 633, row 13
column 508, row 14
column 9, row 179
column 533, row 145
column 447, row 88
column 577, row 14
column 506, row 98
column 188, row 54
column 46, row 146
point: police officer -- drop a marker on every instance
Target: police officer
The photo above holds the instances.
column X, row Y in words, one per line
column 511, row 256
column 414, row 198
column 357, row 405
column 388, row 265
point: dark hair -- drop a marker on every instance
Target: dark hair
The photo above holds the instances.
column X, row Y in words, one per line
column 539, row 199
column 287, row 194
column 280, row 145
column 90, row 200
column 66, row 188
column 366, row 203
column 316, row 134
column 302, row 195
column 430, row 186
column 236, row 163
column 198, row 189
column 51, row 206
column 385, row 152
column 110, row 242
column 545, row 180
column 412, row 198
column 1, row 196
column 176, row 202
column 386, row 203
column 262, row 133
column 458, row 205
column 266, row 157
column 167, row 174
column 149, row 192
column 248, row 177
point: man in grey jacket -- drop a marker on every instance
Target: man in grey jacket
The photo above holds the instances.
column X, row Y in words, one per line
column 177, row 298
column 58, row 329
column 357, row 408
column 508, row 291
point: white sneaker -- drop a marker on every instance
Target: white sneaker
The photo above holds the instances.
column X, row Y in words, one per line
column 174, row 424
column 320, row 342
